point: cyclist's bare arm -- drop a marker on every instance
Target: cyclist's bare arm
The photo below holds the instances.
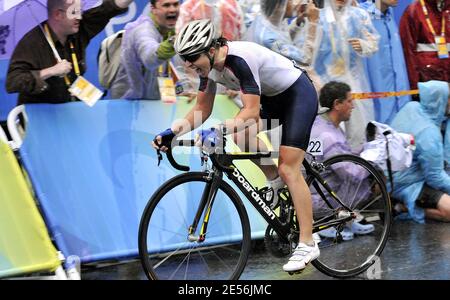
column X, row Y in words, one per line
column 248, row 115
column 202, row 108
column 193, row 119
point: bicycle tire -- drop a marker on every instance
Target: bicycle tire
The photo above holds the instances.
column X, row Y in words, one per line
column 240, row 214
column 385, row 220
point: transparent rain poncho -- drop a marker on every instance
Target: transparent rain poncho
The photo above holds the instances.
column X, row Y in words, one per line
column 137, row 77
column 270, row 29
column 228, row 20
column 226, row 15
column 335, row 59
column 251, row 9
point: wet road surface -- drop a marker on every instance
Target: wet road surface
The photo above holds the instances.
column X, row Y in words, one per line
column 413, row 251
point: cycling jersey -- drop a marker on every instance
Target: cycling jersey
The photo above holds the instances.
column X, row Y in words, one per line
column 254, row 69
column 287, row 93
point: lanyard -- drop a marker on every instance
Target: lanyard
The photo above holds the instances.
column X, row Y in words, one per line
column 58, row 58
column 427, row 18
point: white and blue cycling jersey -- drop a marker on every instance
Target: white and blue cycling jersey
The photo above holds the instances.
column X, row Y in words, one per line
column 253, row 69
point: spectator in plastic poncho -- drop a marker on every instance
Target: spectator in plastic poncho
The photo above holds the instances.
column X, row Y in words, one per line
column 228, row 17
column 251, row 9
column 294, row 41
column 419, row 40
column 386, row 68
column 348, row 179
column 271, row 30
column 147, row 44
column 424, row 188
column 348, row 36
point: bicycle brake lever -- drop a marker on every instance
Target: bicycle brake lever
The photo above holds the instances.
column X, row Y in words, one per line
column 160, row 157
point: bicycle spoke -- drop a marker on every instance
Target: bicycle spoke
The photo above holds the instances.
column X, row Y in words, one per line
column 356, row 194
column 361, row 242
column 222, row 261
column 187, row 265
column 179, row 266
column 166, row 258
column 170, row 231
column 371, row 202
column 204, row 261
column 222, row 257
column 371, row 211
column 164, row 210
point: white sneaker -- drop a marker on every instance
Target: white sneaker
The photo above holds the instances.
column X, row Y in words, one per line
column 276, row 184
column 331, row 233
column 302, row 256
column 361, row 229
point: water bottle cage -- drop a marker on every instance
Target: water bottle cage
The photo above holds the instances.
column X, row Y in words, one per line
column 266, row 193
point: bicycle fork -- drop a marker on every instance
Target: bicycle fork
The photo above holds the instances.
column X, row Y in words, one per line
column 205, row 205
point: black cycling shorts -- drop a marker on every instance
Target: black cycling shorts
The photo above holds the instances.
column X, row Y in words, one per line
column 429, row 197
column 296, row 109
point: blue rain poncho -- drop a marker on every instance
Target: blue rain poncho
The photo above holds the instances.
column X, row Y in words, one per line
column 386, row 68
column 423, row 120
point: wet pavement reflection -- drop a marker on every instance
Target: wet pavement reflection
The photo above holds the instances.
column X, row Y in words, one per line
column 413, row 251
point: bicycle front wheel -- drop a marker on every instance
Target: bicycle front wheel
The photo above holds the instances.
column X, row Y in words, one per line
column 350, row 248
column 165, row 247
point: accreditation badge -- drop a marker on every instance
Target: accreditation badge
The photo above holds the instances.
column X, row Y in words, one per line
column 167, row 89
column 441, row 46
column 85, row 91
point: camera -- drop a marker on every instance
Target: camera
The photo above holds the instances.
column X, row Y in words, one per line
column 319, row 3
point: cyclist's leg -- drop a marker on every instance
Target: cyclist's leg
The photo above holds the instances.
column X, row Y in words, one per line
column 299, row 111
column 290, row 160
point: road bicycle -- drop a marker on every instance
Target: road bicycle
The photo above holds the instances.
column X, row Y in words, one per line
column 196, row 227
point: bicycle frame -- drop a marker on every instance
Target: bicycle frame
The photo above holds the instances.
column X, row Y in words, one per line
column 284, row 230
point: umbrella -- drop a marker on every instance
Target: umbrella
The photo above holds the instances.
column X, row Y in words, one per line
column 17, row 17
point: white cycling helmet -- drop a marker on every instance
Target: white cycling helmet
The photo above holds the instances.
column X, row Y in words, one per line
column 194, row 38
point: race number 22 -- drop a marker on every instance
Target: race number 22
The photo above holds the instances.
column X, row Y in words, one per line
column 315, row 147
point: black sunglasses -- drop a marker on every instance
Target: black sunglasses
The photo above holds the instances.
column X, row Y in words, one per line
column 190, row 58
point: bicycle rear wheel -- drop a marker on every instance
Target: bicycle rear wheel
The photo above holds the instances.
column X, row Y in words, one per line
column 164, row 247
column 362, row 189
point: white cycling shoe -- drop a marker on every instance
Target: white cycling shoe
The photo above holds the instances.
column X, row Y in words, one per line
column 301, row 257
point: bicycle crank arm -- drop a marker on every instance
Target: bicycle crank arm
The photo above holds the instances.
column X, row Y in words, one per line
column 329, row 224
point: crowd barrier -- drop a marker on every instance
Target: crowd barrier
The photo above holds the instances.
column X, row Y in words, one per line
column 93, row 170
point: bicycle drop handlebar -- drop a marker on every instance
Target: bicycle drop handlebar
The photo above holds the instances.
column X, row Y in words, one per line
column 222, row 164
column 173, row 162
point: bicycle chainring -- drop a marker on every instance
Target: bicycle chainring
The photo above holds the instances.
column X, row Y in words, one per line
column 275, row 245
